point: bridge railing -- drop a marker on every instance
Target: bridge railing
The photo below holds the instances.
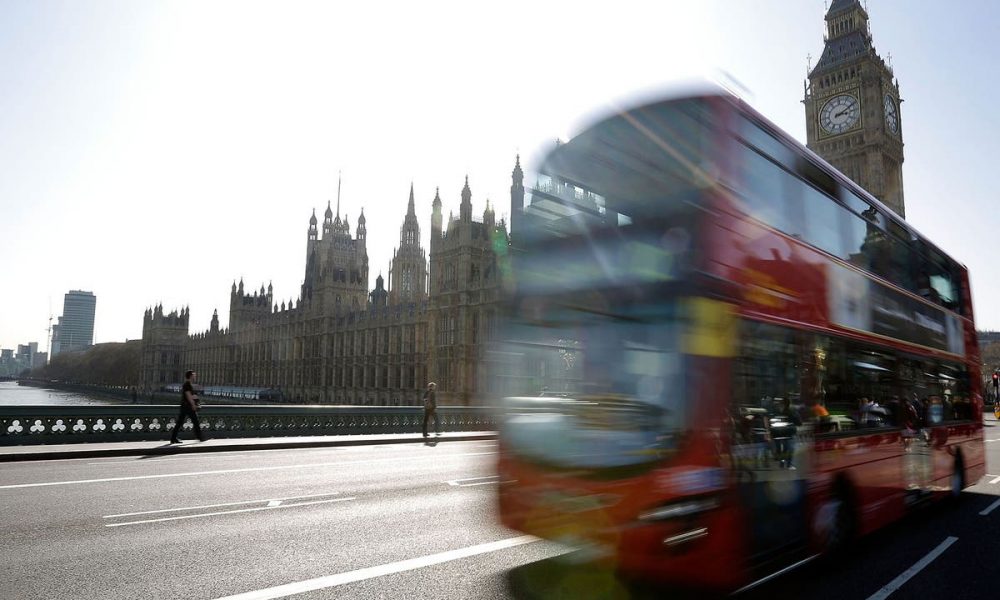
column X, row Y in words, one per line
column 20, row 425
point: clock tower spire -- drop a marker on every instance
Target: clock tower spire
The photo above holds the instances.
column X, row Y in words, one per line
column 852, row 107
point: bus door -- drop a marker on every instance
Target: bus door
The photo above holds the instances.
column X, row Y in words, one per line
column 771, row 460
column 918, row 420
column 772, row 437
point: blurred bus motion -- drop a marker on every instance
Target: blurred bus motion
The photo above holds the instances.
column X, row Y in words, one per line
column 721, row 356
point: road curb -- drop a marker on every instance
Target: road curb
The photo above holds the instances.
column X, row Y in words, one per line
column 194, row 448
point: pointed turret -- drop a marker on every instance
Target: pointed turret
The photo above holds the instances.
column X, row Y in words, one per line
column 409, row 233
column 362, row 229
column 379, row 297
column 436, row 219
column 465, row 209
column 516, row 196
column 336, row 221
column 847, row 36
column 489, row 217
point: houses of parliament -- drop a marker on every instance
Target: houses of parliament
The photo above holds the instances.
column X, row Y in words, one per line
column 345, row 344
column 342, row 343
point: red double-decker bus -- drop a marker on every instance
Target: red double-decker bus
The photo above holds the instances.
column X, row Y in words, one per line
column 721, row 356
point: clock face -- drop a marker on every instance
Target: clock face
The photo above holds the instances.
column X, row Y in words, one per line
column 839, row 114
column 891, row 114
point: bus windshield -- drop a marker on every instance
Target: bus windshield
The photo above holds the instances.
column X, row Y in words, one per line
column 594, row 387
column 637, row 166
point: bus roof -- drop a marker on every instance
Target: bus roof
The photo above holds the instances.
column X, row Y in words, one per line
column 624, row 116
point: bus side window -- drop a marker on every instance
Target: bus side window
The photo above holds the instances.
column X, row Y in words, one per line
column 942, row 286
column 857, row 230
column 825, row 222
column 767, row 144
column 770, row 192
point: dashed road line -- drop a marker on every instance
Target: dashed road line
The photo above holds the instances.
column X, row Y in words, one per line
column 166, row 510
column 990, row 508
column 474, row 481
column 906, row 575
column 230, row 512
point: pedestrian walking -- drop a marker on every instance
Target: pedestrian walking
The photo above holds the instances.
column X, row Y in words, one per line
column 430, row 408
column 189, row 408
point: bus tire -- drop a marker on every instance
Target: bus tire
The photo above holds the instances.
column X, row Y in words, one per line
column 957, row 483
column 843, row 524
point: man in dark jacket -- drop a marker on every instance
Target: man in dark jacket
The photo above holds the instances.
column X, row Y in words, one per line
column 189, row 409
column 430, row 408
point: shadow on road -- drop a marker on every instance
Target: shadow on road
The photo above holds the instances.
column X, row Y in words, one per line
column 569, row 577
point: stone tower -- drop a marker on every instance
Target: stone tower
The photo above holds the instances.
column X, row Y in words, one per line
column 852, row 107
column 163, row 340
column 516, row 197
column 408, row 270
column 464, row 286
column 336, row 273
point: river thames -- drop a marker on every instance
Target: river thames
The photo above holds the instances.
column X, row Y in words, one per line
column 13, row 394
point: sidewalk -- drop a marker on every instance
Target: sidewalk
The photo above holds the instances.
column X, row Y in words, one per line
column 92, row 450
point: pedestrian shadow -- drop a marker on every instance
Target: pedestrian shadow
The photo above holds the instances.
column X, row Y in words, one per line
column 157, row 451
column 431, row 443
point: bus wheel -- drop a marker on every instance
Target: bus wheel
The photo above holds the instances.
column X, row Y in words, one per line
column 838, row 520
column 958, row 477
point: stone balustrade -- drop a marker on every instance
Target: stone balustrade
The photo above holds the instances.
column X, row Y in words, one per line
column 20, row 425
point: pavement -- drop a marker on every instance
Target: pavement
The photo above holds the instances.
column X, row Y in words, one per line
column 100, row 450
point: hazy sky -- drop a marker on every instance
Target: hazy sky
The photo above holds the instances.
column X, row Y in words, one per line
column 156, row 151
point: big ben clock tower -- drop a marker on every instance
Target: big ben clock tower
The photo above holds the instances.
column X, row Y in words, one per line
column 852, row 107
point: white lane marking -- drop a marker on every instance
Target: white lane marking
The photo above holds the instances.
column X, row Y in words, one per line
column 119, row 460
column 274, row 503
column 244, row 470
column 905, row 576
column 165, row 510
column 990, row 509
column 764, row 580
column 995, row 480
column 330, row 581
column 461, row 481
column 229, row 512
column 473, row 481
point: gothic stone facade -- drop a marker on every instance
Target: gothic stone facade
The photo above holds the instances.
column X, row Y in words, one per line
column 340, row 343
column 852, row 107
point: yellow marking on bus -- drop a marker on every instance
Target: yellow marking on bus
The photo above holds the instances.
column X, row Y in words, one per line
column 713, row 328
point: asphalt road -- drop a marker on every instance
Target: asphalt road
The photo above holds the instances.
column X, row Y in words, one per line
column 399, row 521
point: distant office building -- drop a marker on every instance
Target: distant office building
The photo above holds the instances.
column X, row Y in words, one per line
column 75, row 330
column 25, row 358
column 26, row 353
column 39, row 360
column 7, row 365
